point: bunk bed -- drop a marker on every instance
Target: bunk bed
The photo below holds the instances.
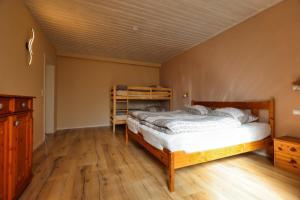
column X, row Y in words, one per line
column 121, row 99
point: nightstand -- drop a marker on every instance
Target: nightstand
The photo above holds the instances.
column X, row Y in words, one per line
column 287, row 153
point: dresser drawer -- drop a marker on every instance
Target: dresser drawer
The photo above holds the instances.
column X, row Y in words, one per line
column 22, row 104
column 4, row 105
column 289, row 162
column 287, row 147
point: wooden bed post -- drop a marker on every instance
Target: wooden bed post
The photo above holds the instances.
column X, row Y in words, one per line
column 126, row 135
column 114, row 109
column 270, row 149
column 170, row 102
column 272, row 116
column 171, row 171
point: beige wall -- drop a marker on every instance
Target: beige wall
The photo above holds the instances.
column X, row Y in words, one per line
column 83, row 88
column 49, row 93
column 15, row 75
column 255, row 60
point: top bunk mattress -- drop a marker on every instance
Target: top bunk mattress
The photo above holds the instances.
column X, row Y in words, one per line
column 196, row 142
column 125, row 93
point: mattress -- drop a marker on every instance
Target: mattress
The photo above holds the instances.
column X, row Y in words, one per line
column 194, row 142
column 122, row 92
column 133, row 93
column 121, row 117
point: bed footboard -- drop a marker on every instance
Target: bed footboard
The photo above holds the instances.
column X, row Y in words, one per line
column 180, row 159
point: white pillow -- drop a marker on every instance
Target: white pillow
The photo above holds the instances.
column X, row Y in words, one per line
column 251, row 118
column 197, row 109
column 238, row 114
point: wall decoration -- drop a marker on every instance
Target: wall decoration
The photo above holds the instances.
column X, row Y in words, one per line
column 29, row 44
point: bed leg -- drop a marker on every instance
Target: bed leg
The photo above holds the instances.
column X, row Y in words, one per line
column 114, row 128
column 171, row 172
column 126, row 135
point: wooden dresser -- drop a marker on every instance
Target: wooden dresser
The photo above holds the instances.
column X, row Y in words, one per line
column 15, row 145
column 287, row 153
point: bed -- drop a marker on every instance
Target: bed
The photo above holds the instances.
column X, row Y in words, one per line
column 176, row 151
column 126, row 98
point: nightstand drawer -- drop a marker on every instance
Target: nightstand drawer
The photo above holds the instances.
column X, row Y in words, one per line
column 285, row 161
column 287, row 147
column 4, row 105
column 22, row 104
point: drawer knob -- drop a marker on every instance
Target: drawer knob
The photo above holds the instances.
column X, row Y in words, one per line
column 17, row 123
column 23, row 104
column 293, row 149
column 292, row 161
column 1, row 106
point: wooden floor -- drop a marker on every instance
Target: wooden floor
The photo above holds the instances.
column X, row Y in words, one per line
column 92, row 164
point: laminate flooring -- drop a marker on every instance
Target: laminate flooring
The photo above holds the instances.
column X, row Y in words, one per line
column 93, row 164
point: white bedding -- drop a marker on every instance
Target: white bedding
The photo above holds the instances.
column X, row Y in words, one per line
column 195, row 142
column 133, row 125
column 180, row 121
column 122, row 92
column 121, row 117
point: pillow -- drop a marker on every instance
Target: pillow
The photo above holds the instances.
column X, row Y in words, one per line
column 237, row 114
column 251, row 118
column 197, row 109
column 155, row 109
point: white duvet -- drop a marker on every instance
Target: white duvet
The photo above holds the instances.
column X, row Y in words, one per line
column 201, row 140
column 179, row 122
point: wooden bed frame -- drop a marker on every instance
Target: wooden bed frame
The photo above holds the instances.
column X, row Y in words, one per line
column 180, row 159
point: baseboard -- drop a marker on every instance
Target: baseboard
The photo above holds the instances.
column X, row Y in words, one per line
column 80, row 127
column 50, row 133
column 36, row 147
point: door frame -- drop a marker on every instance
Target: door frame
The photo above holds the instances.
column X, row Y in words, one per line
column 44, row 93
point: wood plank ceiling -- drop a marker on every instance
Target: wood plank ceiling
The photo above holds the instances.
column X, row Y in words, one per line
column 141, row 30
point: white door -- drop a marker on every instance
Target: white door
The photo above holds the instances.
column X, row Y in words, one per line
column 49, row 98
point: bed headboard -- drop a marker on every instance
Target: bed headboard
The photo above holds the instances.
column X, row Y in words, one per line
column 254, row 106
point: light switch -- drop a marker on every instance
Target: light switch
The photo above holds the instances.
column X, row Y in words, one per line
column 296, row 88
column 296, row 112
